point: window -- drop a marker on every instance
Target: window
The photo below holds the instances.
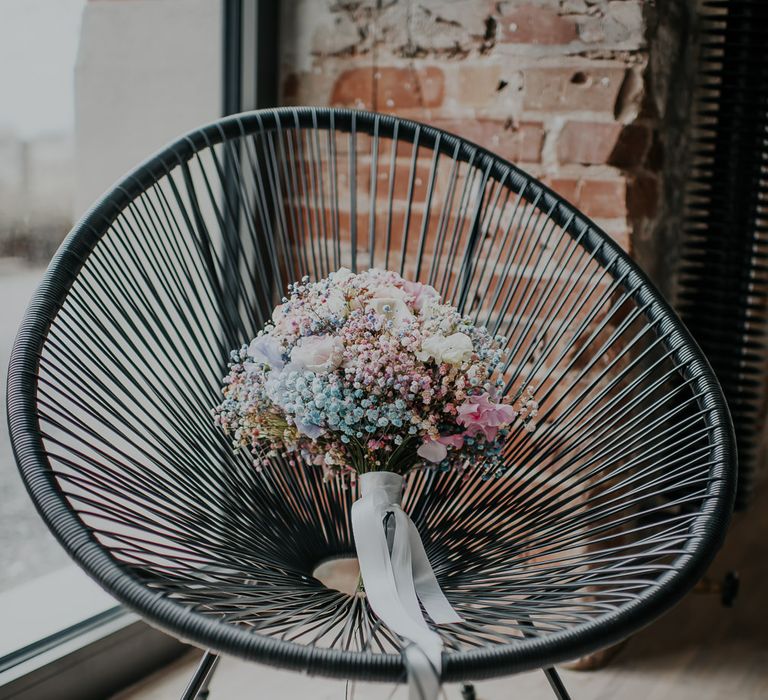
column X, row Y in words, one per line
column 89, row 90
column 36, row 193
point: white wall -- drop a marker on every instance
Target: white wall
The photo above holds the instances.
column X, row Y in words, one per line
column 147, row 71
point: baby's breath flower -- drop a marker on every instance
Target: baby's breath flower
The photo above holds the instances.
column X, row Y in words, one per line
column 361, row 372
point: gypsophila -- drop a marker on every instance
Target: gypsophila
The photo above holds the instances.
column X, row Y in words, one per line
column 370, row 372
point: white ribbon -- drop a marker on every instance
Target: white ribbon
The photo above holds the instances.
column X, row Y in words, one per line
column 397, row 575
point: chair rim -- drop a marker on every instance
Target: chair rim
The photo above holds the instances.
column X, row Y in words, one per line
column 708, row 531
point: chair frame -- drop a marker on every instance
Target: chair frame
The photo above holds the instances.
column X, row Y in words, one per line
column 29, row 450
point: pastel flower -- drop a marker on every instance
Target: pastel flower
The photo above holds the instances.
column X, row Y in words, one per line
column 336, row 303
column 455, row 441
column 478, row 414
column 432, row 451
column 281, row 319
column 267, row 350
column 432, row 309
column 318, row 353
column 311, row 430
column 372, row 363
column 342, row 275
column 453, row 349
column 392, row 303
column 422, row 293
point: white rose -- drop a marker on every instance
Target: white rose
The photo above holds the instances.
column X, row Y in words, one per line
column 390, row 292
column 317, row 353
column 454, row 349
column 391, row 303
column 393, row 309
column 280, row 319
column 335, row 303
column 342, row 275
column 267, row 350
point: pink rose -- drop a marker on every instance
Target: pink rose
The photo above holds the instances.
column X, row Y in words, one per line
column 317, row 353
column 421, row 293
column 478, row 414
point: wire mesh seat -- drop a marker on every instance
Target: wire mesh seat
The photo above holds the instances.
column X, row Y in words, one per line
column 609, row 512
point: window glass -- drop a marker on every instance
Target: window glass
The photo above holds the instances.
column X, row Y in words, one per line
column 38, row 48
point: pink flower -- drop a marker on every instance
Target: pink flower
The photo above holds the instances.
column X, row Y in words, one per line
column 478, row 414
column 437, row 450
column 455, row 441
column 421, row 293
column 432, row 451
column 317, row 353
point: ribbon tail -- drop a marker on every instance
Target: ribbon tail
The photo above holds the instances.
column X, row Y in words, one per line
column 423, row 677
column 402, row 565
column 425, row 581
column 424, row 656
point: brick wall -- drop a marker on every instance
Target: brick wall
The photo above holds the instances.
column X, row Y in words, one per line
column 588, row 95
column 573, row 91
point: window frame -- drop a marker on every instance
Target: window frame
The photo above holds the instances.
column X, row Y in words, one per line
column 111, row 648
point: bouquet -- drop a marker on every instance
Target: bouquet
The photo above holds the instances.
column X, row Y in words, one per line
column 370, row 372
column 372, row 375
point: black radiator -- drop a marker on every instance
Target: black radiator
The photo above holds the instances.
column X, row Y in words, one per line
column 722, row 295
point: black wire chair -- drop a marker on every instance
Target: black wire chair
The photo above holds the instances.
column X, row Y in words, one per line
column 609, row 512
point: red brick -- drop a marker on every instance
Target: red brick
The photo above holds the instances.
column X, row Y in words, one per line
column 521, row 142
column 572, row 89
column 529, row 24
column 567, row 187
column 604, row 198
column 587, row 143
column 591, row 143
column 476, row 85
column 596, row 198
column 389, row 89
column 306, row 88
column 402, row 179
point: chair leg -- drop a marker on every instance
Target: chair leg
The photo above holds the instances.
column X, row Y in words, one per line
column 557, row 684
column 197, row 688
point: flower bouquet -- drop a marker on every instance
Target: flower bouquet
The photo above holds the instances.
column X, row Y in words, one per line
column 369, row 376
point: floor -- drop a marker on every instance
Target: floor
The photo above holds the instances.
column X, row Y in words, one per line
column 698, row 651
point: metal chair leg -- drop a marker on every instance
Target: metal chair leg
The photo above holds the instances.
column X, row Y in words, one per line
column 197, row 688
column 557, row 684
